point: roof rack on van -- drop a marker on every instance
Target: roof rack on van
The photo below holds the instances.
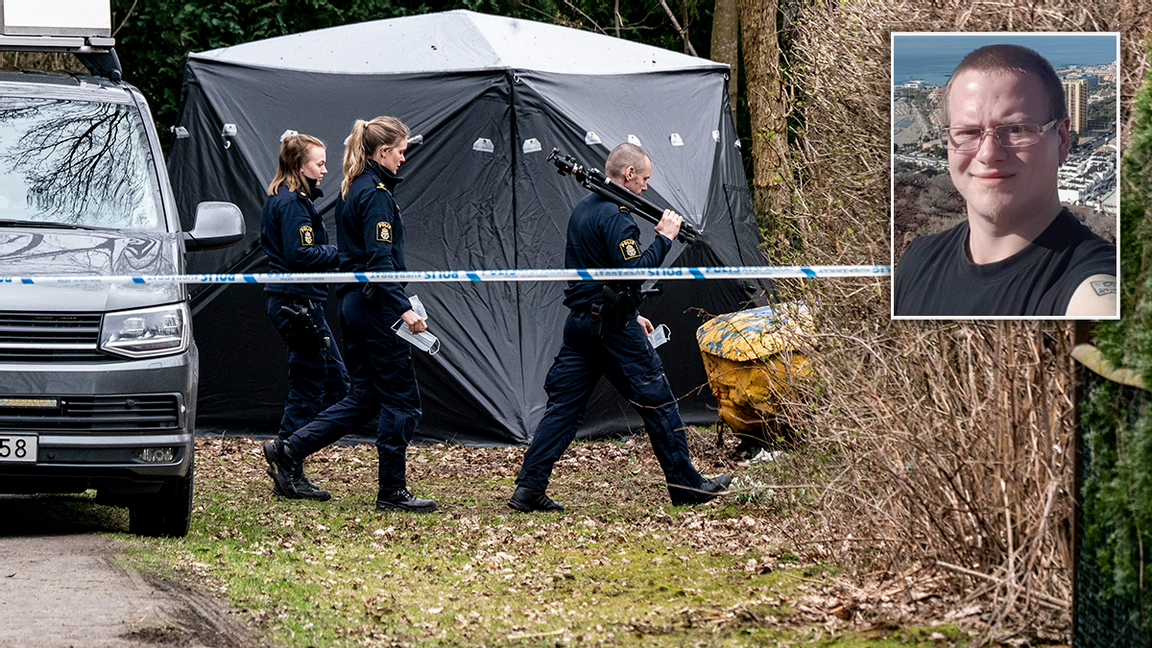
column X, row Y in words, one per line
column 94, row 52
column 79, row 27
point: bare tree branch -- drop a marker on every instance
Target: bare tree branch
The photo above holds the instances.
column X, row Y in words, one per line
column 676, row 25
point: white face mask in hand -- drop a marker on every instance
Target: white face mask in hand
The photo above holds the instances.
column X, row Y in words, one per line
column 659, row 335
column 424, row 340
column 418, row 307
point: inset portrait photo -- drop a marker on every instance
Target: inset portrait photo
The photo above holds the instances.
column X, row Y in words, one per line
column 1005, row 160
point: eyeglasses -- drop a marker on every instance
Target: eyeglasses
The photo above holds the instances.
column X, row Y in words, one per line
column 1007, row 135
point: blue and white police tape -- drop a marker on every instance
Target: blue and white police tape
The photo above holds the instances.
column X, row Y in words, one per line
column 591, row 274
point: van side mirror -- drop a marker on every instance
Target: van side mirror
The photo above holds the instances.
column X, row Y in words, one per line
column 217, row 225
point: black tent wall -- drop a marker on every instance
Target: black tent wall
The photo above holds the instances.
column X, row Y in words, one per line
column 465, row 209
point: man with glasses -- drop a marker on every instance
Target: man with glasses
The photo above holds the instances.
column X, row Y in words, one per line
column 1020, row 253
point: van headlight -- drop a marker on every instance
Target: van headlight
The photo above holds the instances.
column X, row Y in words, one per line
column 147, row 332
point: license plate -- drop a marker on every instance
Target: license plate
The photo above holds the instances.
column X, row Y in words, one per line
column 18, row 447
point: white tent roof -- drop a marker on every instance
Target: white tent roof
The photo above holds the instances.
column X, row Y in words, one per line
column 454, row 41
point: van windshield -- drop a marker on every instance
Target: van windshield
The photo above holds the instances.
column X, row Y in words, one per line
column 77, row 163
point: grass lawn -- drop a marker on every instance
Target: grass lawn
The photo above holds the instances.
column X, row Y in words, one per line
column 619, row 567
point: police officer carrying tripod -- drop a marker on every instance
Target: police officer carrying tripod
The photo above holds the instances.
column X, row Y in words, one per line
column 604, row 335
column 292, row 234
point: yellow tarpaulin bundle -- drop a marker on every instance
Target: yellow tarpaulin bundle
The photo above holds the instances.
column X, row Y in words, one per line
column 752, row 358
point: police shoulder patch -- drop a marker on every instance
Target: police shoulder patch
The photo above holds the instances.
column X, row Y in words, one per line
column 629, row 249
column 307, row 237
column 384, row 232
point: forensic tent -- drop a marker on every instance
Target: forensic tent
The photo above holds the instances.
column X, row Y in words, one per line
column 490, row 97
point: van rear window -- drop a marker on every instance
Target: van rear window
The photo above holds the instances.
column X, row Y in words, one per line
column 75, row 162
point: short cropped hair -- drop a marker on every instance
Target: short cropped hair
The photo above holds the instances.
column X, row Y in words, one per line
column 624, row 156
column 1012, row 58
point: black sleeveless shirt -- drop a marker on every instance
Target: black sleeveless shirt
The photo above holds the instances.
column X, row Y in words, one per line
column 936, row 278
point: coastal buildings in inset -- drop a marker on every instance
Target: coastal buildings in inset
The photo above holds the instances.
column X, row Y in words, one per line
column 1088, row 179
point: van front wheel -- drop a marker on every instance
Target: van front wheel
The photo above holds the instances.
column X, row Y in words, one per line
column 164, row 514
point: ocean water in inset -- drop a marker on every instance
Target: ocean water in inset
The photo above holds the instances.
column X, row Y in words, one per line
column 932, row 57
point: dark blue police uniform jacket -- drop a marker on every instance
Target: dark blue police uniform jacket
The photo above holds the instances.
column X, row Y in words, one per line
column 293, row 236
column 602, row 234
column 370, row 233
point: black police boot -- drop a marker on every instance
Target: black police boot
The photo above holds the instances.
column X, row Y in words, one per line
column 305, row 489
column 716, row 486
column 706, row 493
column 402, row 500
column 281, row 465
column 276, row 487
column 531, row 499
column 713, row 487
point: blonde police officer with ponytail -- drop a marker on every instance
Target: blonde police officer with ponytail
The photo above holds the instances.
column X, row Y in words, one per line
column 370, row 233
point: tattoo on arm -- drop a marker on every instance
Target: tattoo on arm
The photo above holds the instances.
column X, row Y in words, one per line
column 1104, row 287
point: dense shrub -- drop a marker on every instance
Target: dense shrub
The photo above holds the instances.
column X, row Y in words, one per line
column 953, row 438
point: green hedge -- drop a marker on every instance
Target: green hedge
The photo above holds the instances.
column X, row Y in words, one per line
column 1117, row 489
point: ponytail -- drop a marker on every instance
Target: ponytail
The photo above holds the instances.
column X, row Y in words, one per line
column 367, row 137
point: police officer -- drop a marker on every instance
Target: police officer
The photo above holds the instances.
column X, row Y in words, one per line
column 292, row 234
column 605, row 336
column 371, row 237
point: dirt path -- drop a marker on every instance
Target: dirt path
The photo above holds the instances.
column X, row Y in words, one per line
column 62, row 586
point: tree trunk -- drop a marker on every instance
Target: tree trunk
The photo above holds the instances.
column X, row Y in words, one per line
column 771, row 182
column 725, row 43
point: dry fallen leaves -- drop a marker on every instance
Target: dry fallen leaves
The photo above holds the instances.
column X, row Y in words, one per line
column 853, row 600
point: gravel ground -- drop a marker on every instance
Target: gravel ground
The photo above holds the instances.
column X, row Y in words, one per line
column 62, row 585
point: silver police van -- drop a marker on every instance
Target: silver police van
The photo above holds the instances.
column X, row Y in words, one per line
column 97, row 380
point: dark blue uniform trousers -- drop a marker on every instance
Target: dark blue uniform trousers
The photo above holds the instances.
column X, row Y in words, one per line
column 315, row 380
column 383, row 382
column 630, row 363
